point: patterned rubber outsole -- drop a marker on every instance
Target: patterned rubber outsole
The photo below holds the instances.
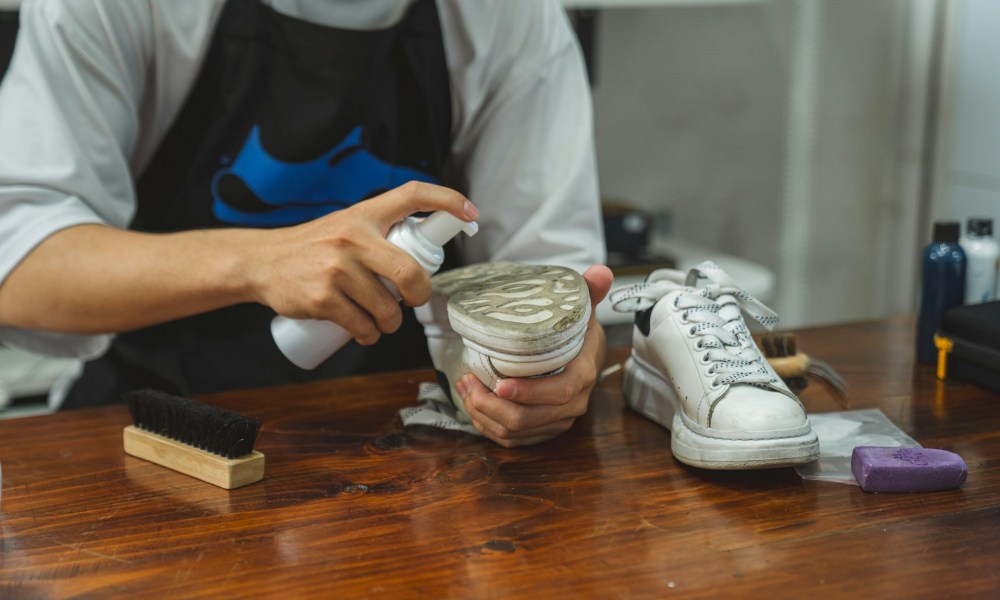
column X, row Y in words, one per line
column 514, row 308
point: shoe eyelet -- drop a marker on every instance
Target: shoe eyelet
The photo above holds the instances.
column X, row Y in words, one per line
column 704, row 359
column 691, row 331
column 676, row 298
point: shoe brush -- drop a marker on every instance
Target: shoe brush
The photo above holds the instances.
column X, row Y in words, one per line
column 200, row 440
column 795, row 367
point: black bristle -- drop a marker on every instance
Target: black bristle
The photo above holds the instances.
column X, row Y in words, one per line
column 796, row 384
column 790, row 345
column 767, row 345
column 777, row 345
column 209, row 428
column 780, row 345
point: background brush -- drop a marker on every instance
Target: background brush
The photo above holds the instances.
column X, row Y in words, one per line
column 207, row 442
column 794, row 367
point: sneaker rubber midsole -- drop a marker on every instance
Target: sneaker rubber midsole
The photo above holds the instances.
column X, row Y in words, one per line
column 509, row 344
column 522, row 365
column 650, row 395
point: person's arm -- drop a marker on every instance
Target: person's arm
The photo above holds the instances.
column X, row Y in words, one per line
column 524, row 152
column 95, row 278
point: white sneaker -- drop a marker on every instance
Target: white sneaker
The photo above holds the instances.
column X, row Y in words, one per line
column 503, row 319
column 696, row 370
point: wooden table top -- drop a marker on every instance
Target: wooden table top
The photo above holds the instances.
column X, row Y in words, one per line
column 353, row 505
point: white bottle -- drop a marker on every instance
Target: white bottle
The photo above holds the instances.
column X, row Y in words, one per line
column 308, row 342
column 981, row 251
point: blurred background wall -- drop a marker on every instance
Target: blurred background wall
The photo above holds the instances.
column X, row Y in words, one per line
column 793, row 133
column 968, row 165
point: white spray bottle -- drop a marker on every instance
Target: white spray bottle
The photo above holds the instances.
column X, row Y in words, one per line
column 308, row 342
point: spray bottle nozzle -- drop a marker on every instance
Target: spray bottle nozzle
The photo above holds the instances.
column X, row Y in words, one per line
column 442, row 226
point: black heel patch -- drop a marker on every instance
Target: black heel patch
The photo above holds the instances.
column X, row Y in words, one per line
column 642, row 319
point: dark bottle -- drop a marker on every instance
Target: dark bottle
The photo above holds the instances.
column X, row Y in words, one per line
column 942, row 287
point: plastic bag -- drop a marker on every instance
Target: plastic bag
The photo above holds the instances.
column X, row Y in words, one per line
column 842, row 431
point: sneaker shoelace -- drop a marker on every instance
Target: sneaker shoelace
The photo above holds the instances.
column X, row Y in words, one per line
column 715, row 314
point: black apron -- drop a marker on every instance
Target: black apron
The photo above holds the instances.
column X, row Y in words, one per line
column 287, row 121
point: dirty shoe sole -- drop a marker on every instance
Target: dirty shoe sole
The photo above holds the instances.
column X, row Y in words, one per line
column 526, row 319
column 652, row 396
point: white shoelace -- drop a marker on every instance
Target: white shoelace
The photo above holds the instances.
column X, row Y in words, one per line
column 715, row 315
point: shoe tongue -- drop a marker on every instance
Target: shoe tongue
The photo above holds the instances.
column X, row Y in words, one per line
column 666, row 275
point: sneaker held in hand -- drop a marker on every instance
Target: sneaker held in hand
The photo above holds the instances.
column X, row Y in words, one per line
column 504, row 319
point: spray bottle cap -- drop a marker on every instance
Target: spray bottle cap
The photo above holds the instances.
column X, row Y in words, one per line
column 946, row 231
column 980, row 226
column 442, row 226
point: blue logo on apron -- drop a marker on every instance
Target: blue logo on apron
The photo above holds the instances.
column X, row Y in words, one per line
column 258, row 190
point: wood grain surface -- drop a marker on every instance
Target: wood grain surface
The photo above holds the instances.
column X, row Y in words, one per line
column 354, row 505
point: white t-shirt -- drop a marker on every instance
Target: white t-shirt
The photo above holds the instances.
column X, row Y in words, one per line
column 95, row 85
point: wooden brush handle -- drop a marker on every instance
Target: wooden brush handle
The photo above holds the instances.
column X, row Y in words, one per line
column 228, row 473
column 796, row 365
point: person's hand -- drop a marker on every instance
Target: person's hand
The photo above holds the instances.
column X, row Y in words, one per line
column 329, row 268
column 528, row 411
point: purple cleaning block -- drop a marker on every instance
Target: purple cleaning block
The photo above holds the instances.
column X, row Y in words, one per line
column 880, row 469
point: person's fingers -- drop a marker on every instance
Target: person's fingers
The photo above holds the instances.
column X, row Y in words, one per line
column 576, row 379
column 394, row 264
column 553, row 390
column 520, row 420
column 417, row 196
column 509, row 438
column 356, row 300
column 357, row 322
column 510, row 442
column 599, row 280
column 506, row 422
column 506, row 437
column 397, row 268
column 377, row 302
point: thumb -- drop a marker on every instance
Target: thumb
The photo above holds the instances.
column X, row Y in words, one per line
column 599, row 280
